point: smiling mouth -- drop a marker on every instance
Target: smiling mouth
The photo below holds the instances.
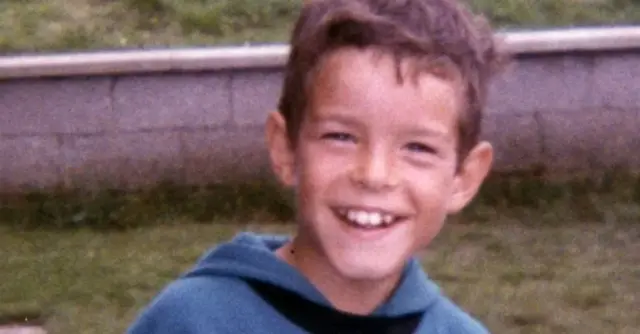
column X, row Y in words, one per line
column 369, row 219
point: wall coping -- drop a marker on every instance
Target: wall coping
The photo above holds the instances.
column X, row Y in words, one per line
column 122, row 62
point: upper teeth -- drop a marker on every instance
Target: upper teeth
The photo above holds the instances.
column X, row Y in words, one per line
column 369, row 218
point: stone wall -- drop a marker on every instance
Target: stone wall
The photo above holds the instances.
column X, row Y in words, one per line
column 562, row 109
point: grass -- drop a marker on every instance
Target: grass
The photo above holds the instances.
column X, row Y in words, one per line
column 578, row 277
column 63, row 25
column 164, row 204
column 613, row 196
column 530, row 256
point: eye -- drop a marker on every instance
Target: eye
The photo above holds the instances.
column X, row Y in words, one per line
column 420, row 148
column 338, row 136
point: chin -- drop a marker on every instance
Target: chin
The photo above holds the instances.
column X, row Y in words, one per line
column 368, row 273
column 367, row 267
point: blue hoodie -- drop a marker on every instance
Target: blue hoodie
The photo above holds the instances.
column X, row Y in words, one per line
column 242, row 287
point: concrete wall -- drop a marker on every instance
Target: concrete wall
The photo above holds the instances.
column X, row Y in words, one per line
column 87, row 121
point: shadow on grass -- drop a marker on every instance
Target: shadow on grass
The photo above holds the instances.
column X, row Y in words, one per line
column 614, row 195
column 112, row 209
column 24, row 316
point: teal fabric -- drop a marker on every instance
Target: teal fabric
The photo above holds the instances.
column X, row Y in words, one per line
column 214, row 296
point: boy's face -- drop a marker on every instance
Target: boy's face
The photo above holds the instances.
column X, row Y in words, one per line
column 375, row 165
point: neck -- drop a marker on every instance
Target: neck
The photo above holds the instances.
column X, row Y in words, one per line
column 359, row 297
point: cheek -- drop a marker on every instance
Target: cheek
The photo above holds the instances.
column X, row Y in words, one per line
column 430, row 193
column 433, row 181
column 431, row 199
column 316, row 172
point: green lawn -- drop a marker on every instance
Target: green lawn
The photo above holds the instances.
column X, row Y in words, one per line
column 577, row 277
column 530, row 256
column 62, row 25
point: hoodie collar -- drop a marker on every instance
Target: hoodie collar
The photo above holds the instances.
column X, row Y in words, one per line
column 251, row 256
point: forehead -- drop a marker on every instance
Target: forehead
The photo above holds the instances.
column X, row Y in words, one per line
column 364, row 85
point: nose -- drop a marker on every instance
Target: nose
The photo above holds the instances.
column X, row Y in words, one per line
column 374, row 169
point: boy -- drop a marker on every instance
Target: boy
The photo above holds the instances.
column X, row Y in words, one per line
column 377, row 133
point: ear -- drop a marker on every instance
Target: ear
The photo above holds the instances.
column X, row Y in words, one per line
column 280, row 152
column 473, row 171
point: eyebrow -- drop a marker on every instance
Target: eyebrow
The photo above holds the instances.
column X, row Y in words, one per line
column 426, row 132
column 417, row 131
column 339, row 118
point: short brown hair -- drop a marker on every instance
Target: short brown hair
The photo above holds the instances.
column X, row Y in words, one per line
column 442, row 34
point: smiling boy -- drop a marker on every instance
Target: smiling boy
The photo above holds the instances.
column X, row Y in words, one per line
column 377, row 133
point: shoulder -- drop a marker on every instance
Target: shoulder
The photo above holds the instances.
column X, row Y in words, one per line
column 452, row 319
column 192, row 303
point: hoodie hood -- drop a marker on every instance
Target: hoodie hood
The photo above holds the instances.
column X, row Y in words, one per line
column 251, row 256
